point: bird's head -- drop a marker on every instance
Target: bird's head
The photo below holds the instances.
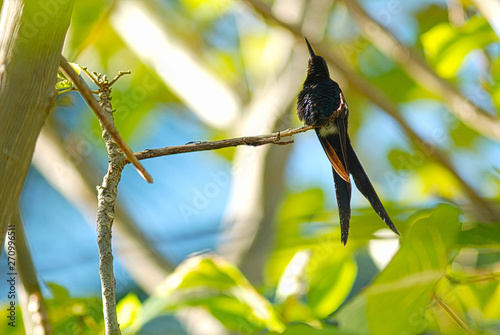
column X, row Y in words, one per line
column 317, row 68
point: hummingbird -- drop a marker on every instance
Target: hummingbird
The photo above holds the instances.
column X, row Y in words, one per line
column 321, row 103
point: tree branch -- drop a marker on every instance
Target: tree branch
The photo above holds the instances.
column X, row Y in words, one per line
column 30, row 46
column 75, row 180
column 230, row 142
column 106, row 210
column 452, row 314
column 105, row 120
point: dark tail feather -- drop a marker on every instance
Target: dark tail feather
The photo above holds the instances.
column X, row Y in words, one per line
column 333, row 147
column 366, row 188
column 343, row 191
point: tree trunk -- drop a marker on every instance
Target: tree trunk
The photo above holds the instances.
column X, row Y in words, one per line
column 31, row 38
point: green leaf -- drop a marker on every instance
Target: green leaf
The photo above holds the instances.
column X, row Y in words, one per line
column 305, row 205
column 127, row 310
column 438, row 180
column 85, row 17
column 480, row 235
column 64, row 85
column 462, row 135
column 217, row 285
column 402, row 160
column 59, row 292
column 423, row 177
column 331, row 282
column 207, row 10
column 396, row 301
column 399, row 87
column 135, row 98
column 428, row 17
column 446, row 45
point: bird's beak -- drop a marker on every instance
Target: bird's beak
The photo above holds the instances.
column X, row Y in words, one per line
column 311, row 51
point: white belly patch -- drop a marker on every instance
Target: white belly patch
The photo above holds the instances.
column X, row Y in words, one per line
column 328, row 129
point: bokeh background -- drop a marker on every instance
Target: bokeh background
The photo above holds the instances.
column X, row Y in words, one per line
column 421, row 80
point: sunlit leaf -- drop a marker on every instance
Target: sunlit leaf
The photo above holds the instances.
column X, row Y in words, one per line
column 296, row 209
column 127, row 310
column 69, row 314
column 64, row 85
column 446, row 45
column 207, row 9
column 438, row 180
column 58, row 292
column 495, row 87
column 331, row 282
column 399, row 296
column 217, row 285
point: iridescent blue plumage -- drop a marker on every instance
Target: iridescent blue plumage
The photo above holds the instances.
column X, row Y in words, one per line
column 318, row 101
column 321, row 103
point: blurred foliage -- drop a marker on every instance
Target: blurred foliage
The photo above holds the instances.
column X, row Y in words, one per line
column 67, row 315
column 447, row 46
column 217, row 285
column 427, row 266
column 312, row 284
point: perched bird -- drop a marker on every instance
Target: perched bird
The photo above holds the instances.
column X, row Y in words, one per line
column 321, row 103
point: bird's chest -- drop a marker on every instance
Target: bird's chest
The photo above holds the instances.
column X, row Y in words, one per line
column 317, row 102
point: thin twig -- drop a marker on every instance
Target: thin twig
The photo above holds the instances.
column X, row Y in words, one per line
column 107, row 193
column 230, row 142
column 452, row 314
column 103, row 118
column 119, row 75
column 487, row 213
column 473, row 279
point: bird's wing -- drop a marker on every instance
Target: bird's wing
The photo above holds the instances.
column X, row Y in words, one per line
column 366, row 188
column 342, row 127
column 329, row 146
